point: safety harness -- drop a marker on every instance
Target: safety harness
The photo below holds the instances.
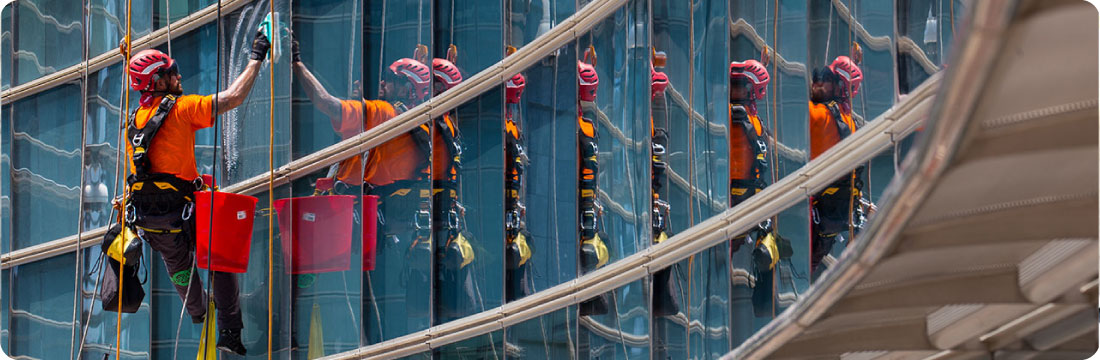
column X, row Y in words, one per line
column 835, row 212
column 594, row 252
column 741, row 189
column 155, row 193
column 515, row 212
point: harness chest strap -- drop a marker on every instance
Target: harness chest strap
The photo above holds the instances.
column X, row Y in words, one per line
column 142, row 139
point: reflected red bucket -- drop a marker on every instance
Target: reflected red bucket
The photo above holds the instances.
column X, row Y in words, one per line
column 316, row 232
column 370, row 231
column 232, row 230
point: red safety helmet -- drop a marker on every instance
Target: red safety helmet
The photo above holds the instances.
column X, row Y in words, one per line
column 416, row 72
column 146, row 67
column 848, row 72
column 658, row 83
column 755, row 73
column 446, row 73
column 587, row 81
column 513, row 88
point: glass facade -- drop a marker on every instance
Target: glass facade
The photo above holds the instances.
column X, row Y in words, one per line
column 531, row 184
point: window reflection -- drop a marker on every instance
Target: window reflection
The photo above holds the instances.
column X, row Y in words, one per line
column 41, row 25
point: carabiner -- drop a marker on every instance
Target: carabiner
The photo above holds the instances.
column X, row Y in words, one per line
column 131, row 213
column 188, row 210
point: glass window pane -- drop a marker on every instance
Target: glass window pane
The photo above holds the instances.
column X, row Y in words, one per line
column 40, row 26
column 544, row 207
column 672, row 114
column 41, row 324
column 178, row 9
column 45, row 160
column 326, row 254
column 468, row 202
column 398, row 292
column 107, row 24
column 551, row 336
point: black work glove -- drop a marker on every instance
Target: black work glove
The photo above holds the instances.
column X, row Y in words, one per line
column 260, row 45
column 295, row 53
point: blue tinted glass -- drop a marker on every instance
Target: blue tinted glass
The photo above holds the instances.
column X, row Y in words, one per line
column 551, row 336
column 107, row 24
column 6, row 36
column 468, row 195
column 163, row 10
column 41, row 324
column 671, row 112
column 42, row 25
column 397, row 296
column 326, row 255
column 45, row 160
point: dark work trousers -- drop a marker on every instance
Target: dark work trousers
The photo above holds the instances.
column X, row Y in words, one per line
column 178, row 252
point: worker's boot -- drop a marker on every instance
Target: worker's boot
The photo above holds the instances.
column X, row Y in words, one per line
column 230, row 340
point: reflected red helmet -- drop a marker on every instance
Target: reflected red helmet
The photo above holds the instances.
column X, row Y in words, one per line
column 146, row 67
column 446, row 73
column 848, row 72
column 416, row 72
column 659, row 81
column 755, row 73
column 513, row 88
column 587, row 81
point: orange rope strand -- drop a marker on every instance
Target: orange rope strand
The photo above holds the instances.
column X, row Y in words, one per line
column 125, row 189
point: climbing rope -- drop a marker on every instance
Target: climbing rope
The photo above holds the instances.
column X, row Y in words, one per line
column 204, row 340
column 126, row 189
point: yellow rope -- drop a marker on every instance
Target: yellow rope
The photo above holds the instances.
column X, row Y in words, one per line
column 125, row 189
column 271, row 180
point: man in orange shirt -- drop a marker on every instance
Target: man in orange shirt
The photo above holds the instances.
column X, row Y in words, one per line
column 161, row 143
column 748, row 170
column 396, row 171
column 836, row 208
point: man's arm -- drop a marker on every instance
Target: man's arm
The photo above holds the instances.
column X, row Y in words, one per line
column 321, row 99
column 234, row 95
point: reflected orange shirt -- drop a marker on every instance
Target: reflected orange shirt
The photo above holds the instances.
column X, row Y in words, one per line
column 823, row 131
column 441, row 153
column 173, row 148
column 742, row 153
column 393, row 160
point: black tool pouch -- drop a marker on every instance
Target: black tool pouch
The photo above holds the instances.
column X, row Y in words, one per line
column 132, row 291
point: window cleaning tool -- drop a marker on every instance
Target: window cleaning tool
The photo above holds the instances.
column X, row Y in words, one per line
column 270, row 27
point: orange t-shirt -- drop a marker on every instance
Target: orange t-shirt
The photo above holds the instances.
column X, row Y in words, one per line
column 441, row 153
column 393, row 160
column 173, row 148
column 742, row 153
column 823, row 131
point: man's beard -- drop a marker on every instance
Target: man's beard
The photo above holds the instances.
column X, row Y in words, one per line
column 819, row 97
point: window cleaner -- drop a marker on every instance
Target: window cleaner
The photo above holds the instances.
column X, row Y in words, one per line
column 839, row 206
column 163, row 177
column 593, row 252
column 666, row 287
column 517, row 252
column 395, row 171
column 749, row 166
column 456, row 297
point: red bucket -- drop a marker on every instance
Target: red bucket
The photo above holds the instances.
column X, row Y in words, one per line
column 232, row 230
column 316, row 233
column 370, row 230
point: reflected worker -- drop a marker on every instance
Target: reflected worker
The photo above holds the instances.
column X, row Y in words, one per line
column 161, row 141
column 456, row 295
column 748, row 162
column 396, row 171
column 836, row 207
